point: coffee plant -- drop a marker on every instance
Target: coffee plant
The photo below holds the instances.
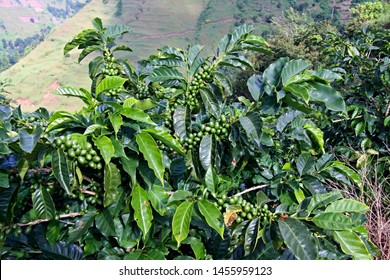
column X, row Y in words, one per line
column 164, row 162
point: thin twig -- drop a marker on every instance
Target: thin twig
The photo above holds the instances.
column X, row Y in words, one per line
column 347, row 119
column 88, row 192
column 39, row 221
column 252, row 189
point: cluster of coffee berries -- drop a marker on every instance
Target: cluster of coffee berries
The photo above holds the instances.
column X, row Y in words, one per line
column 142, row 91
column 163, row 147
column 85, row 156
column 192, row 141
column 201, row 78
column 114, row 91
column 174, row 103
column 168, row 123
column 248, row 211
column 30, row 122
column 92, row 194
column 14, row 229
column 110, row 67
column 217, row 127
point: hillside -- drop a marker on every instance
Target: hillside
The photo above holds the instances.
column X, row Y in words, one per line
column 24, row 24
column 155, row 23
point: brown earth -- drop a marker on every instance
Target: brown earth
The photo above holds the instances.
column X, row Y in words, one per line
column 47, row 99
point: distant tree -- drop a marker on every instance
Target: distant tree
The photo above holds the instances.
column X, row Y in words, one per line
column 119, row 8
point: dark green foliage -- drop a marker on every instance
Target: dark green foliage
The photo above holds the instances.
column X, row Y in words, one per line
column 180, row 168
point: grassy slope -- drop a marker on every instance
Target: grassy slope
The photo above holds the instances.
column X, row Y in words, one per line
column 38, row 73
column 45, row 68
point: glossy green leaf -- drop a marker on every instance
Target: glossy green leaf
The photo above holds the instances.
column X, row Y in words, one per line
column 211, row 180
column 105, row 223
column 181, row 221
column 112, row 180
column 179, row 195
column 295, row 104
column 130, row 165
column 116, row 122
column 292, row 68
column 92, row 128
column 254, row 85
column 350, row 173
column 53, row 232
column 23, row 166
column 4, row 182
column 29, row 141
column 137, row 115
column 145, row 104
column 81, row 38
column 223, row 80
column 62, row 251
column 116, row 30
column 206, row 151
column 142, row 209
column 92, row 245
column 159, row 199
column 212, row 215
column 347, row 205
column 252, row 235
column 81, row 227
column 305, row 163
column 324, row 161
column 61, row 170
column 320, row 200
column 210, row 102
column 59, row 119
column 181, row 120
column 271, row 75
column 327, row 95
column 352, row 244
column 298, row 239
column 110, row 82
column 148, row 147
column 8, row 197
column 43, row 204
column 317, row 135
column 164, row 73
column 105, row 147
column 196, row 246
column 286, row 119
column 194, row 58
column 83, row 94
column 326, row 74
column 334, row 221
column 166, row 138
column 299, row 91
column 252, row 124
column 118, row 147
column 127, row 235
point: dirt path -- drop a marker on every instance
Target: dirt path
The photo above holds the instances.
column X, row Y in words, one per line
column 184, row 32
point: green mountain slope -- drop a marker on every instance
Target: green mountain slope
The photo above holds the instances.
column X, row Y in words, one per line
column 24, row 24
